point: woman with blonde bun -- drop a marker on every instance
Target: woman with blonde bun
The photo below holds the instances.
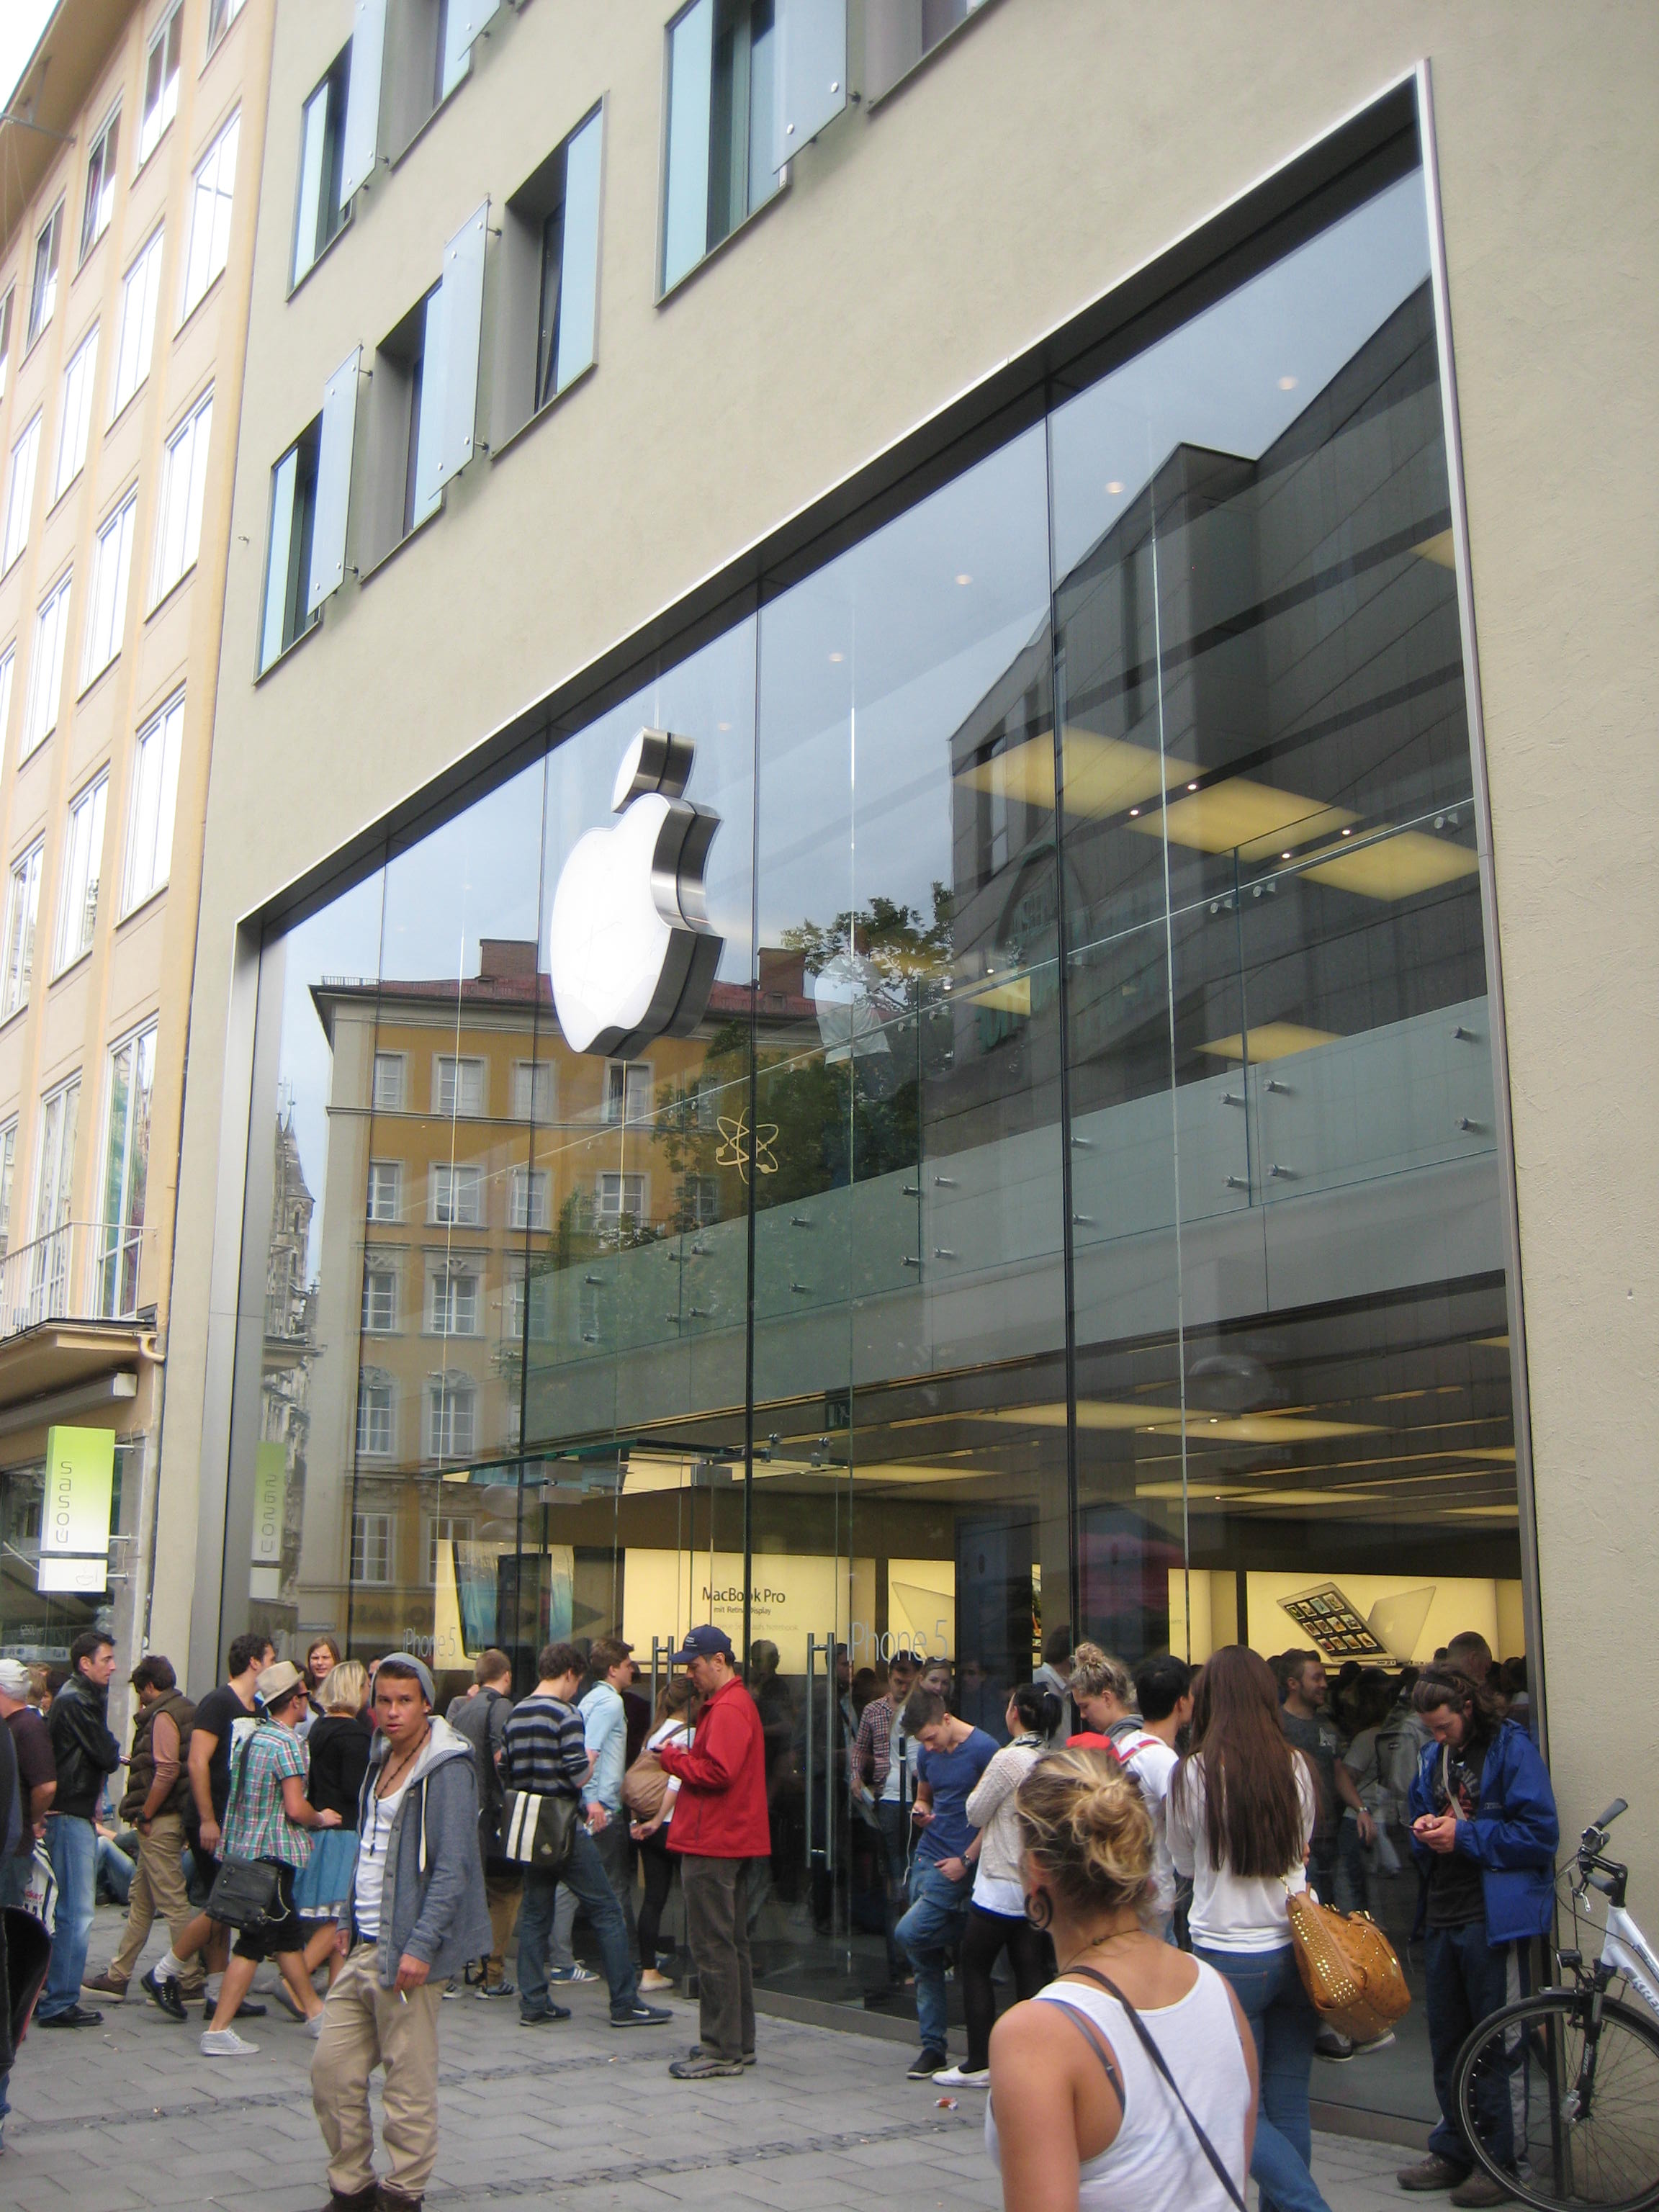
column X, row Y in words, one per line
column 1128, row 2084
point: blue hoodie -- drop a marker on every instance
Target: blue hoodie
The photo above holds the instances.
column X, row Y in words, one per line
column 1513, row 1836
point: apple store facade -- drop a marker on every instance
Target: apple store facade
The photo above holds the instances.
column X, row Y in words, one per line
column 1067, row 1184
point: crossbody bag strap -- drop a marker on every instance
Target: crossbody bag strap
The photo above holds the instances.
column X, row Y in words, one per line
column 1162, row 2064
column 1097, row 2044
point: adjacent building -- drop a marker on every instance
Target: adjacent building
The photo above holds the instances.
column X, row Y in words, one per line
column 129, row 161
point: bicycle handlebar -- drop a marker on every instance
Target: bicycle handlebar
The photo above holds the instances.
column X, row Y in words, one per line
column 1606, row 1819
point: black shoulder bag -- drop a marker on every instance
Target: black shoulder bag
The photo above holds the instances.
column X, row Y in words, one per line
column 247, row 1894
column 1162, row 2064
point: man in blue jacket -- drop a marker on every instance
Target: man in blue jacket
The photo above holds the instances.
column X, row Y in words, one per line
column 416, row 1917
column 1485, row 1832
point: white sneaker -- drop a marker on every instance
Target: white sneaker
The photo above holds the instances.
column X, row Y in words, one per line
column 225, row 2043
column 963, row 2078
column 314, row 2027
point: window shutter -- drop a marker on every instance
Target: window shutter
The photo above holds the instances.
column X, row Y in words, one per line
column 810, row 87
column 363, row 116
column 463, row 328
column 579, row 282
column 462, row 24
column 333, row 498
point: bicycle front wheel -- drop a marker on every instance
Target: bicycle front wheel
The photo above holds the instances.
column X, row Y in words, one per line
column 1564, row 2114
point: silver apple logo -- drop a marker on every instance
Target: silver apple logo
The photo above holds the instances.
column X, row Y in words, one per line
column 629, row 948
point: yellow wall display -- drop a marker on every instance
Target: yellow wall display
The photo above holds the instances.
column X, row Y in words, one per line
column 1411, row 1616
column 922, row 1609
column 793, row 1595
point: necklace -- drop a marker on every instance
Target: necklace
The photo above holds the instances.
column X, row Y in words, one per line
column 381, row 1794
column 1099, row 1942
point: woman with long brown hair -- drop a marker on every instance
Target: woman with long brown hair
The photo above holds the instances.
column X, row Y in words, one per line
column 1240, row 1818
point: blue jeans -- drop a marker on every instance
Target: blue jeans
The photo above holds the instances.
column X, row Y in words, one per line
column 936, row 1920
column 1283, row 2024
column 893, row 1820
column 585, row 1877
column 1468, row 1979
column 73, row 1843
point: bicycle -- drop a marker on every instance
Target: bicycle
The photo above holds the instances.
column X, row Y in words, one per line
column 1558, row 2094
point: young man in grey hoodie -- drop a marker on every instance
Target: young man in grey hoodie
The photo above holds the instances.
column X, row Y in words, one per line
column 417, row 1916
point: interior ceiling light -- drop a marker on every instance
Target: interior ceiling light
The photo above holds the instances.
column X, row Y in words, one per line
column 1271, row 1041
column 1106, row 1413
column 1115, row 489
column 1482, row 1512
column 1395, row 867
column 1252, row 820
column 1287, row 383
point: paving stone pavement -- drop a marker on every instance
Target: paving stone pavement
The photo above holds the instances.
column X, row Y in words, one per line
column 131, row 2116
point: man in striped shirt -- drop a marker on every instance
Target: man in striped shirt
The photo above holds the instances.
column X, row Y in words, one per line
column 545, row 1750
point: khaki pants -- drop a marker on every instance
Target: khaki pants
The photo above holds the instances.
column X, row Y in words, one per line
column 365, row 2027
column 158, row 1887
column 716, row 1892
column 503, row 1893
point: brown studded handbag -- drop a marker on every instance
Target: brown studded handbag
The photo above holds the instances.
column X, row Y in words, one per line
column 1349, row 1968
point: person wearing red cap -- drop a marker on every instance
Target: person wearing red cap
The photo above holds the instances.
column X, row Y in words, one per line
column 719, row 1824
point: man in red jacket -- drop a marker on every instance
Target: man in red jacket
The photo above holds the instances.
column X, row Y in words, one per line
column 719, row 1824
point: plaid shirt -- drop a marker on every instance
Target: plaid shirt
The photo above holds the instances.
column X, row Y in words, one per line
column 872, row 1749
column 256, row 1825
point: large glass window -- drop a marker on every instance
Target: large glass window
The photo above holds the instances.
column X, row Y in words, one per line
column 718, row 169
column 22, row 911
column 46, row 667
column 154, row 797
column 184, row 487
column 83, row 847
column 210, row 205
column 141, row 288
column 75, row 420
column 19, row 490
column 112, row 568
column 1069, row 1201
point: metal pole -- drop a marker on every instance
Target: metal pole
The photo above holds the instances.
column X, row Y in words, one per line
column 811, row 1656
column 830, row 1808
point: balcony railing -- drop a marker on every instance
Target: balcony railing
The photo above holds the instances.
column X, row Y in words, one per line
column 84, row 1271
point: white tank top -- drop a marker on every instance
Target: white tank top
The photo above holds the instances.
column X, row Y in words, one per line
column 1154, row 2163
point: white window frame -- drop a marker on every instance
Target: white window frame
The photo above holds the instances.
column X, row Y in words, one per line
column 19, row 490
column 444, row 1279
column 626, row 1078
column 447, row 1394
column 121, row 1212
column 375, row 1383
column 8, row 315
column 43, row 287
column 47, row 666
column 83, row 866
column 75, row 418
column 453, row 1187
column 7, row 672
column 22, row 925
column 372, row 1545
column 530, row 1195
column 111, row 575
column 184, row 487
column 98, row 206
column 155, row 116
column 322, row 150
column 533, row 1092
column 149, row 863
column 395, row 1066
column 141, row 294
column 212, row 204
column 8, row 1171
column 385, row 1191
column 454, row 1075
column 622, row 1178
column 445, row 1528
column 222, row 13
column 379, row 1270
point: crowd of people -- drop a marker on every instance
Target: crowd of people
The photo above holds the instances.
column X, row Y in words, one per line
column 1127, row 1842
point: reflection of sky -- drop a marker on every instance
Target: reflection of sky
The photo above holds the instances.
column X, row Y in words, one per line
column 1237, row 376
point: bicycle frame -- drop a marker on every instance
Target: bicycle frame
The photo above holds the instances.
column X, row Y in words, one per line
column 1627, row 1951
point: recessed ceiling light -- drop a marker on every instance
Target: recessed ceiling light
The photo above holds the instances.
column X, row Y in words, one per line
column 722, row 725
column 838, row 656
column 1284, row 856
column 1115, row 488
column 1192, row 786
column 1347, row 833
column 964, row 579
column 1134, row 810
column 1287, row 383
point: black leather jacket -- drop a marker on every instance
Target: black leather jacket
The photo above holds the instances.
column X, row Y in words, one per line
column 82, row 1747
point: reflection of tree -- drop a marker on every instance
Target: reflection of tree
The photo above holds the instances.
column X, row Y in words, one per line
column 893, row 937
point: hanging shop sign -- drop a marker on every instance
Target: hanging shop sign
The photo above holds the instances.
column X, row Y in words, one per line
column 75, row 1516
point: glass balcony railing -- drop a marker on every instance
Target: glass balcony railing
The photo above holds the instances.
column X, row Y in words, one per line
column 81, row 1270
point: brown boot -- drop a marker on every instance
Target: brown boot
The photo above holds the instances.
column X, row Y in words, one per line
column 1435, row 2172
column 393, row 2200
column 108, row 1987
column 356, row 2200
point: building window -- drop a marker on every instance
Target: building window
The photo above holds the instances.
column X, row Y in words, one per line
column 22, row 911
column 458, row 1086
column 100, row 203
column 154, row 792
column 210, row 201
column 8, row 1166
column 719, row 168
column 628, row 1090
column 126, row 1172
column 388, row 1082
column 20, row 491
column 512, row 1305
column 161, row 82
column 528, row 1188
column 8, row 668
column 287, row 553
column 408, row 407
column 141, row 288
column 46, row 667
column 443, row 1528
column 84, row 849
column 621, row 1202
column 7, row 304
column 43, row 291
column 452, row 1405
column 379, row 1301
column 898, row 34
column 60, row 1114
column 76, row 419
column 112, row 567
column 549, row 293
column 376, row 1413
column 532, row 1088
column 222, row 13
column 456, row 1199
column 184, row 481
column 371, row 1547
column 386, row 1190
column 700, row 1201
column 320, row 218
column 451, row 1299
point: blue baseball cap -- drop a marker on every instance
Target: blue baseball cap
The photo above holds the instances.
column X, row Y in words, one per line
column 704, row 1644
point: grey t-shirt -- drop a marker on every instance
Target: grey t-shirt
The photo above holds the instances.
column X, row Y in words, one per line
column 1319, row 1740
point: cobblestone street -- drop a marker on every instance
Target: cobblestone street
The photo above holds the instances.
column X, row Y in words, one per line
column 581, row 2115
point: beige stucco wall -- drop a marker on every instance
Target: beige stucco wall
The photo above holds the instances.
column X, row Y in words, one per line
column 1054, row 147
